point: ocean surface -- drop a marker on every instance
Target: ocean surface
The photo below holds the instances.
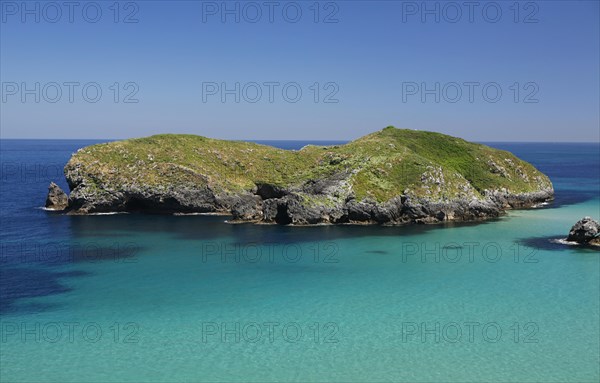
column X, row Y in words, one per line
column 143, row 298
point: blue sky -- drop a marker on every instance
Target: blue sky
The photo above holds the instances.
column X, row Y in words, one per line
column 359, row 65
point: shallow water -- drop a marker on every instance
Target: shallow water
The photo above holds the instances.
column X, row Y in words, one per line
column 190, row 298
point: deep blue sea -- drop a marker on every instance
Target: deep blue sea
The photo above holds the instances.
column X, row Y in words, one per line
column 141, row 298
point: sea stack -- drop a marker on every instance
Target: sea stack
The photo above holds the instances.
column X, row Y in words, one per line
column 57, row 199
column 585, row 232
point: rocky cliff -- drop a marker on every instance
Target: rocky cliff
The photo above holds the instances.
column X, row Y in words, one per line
column 392, row 176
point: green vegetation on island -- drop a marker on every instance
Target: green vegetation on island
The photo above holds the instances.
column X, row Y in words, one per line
column 166, row 172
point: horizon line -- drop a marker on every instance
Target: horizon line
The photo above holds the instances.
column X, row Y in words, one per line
column 294, row 140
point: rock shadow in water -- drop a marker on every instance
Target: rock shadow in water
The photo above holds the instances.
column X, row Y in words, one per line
column 17, row 283
column 555, row 243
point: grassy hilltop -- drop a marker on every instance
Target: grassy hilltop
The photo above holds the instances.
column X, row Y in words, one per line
column 381, row 165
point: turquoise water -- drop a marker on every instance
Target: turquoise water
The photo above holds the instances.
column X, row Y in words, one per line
column 191, row 298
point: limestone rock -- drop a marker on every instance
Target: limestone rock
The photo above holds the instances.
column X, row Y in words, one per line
column 56, row 199
column 584, row 231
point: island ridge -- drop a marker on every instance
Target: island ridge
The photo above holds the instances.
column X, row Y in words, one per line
column 393, row 176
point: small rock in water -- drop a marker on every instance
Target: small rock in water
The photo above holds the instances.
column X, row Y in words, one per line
column 56, row 199
column 585, row 231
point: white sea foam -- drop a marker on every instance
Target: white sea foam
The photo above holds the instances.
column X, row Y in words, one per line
column 563, row 241
column 210, row 214
column 541, row 204
column 110, row 213
column 104, row 213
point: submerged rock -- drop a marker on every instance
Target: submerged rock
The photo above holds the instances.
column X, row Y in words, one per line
column 56, row 199
column 585, row 231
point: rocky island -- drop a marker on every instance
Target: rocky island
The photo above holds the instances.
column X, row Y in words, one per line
column 586, row 231
column 393, row 176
